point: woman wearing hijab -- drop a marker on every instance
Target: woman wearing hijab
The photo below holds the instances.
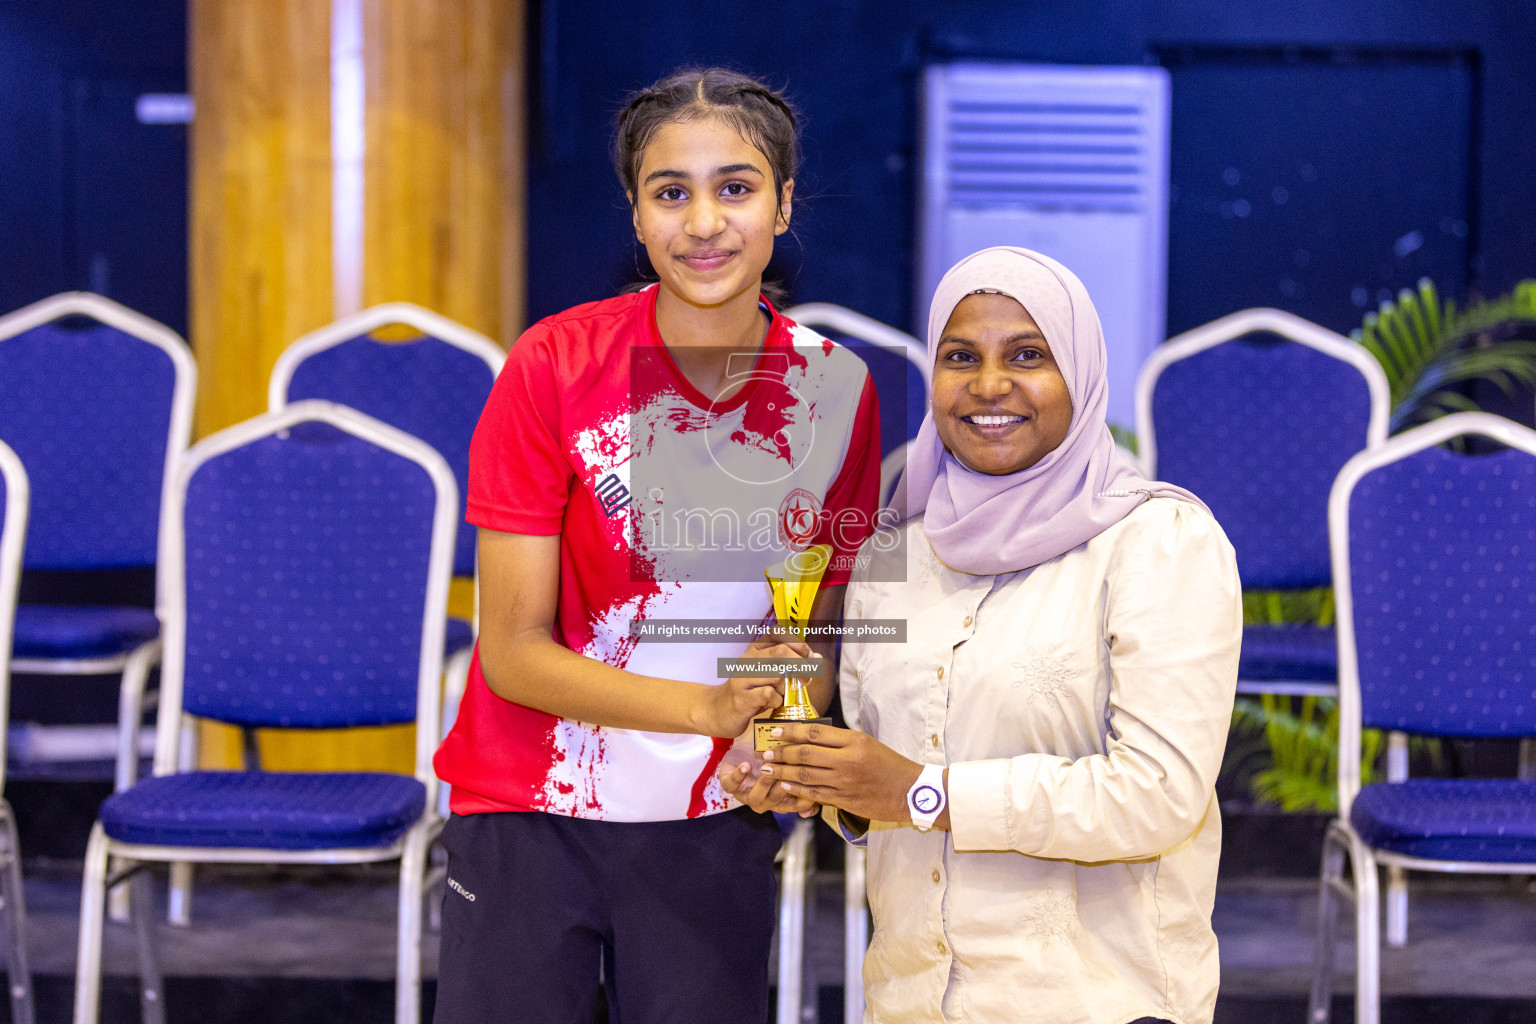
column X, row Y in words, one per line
column 1033, row 770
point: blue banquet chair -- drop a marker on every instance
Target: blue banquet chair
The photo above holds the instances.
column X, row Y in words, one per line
column 434, row 387
column 13, row 532
column 898, row 364
column 96, row 400
column 1434, row 554
column 1258, row 428
column 304, row 583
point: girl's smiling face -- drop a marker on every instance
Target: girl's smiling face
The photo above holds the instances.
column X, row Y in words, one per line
column 1000, row 404
column 706, row 210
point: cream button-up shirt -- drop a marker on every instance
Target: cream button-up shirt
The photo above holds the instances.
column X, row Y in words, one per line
column 1081, row 708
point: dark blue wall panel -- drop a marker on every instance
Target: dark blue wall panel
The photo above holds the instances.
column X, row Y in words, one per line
column 1413, row 117
column 1317, row 181
column 89, row 197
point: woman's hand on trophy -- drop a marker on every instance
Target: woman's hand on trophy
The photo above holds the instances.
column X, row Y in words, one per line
column 849, row 770
column 739, row 775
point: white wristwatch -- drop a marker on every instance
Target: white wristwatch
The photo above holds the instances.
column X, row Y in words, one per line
column 926, row 799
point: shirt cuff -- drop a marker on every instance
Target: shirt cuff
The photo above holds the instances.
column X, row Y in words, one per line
column 844, row 826
column 980, row 805
column 545, row 524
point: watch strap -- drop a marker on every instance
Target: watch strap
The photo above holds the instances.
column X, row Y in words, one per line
column 926, row 799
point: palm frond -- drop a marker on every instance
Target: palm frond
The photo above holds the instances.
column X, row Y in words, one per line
column 1406, row 336
column 1429, row 350
column 1432, row 407
column 1506, row 363
column 1303, row 738
column 1274, row 607
column 1519, row 305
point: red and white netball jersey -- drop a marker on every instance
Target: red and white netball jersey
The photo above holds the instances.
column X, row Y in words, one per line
column 668, row 507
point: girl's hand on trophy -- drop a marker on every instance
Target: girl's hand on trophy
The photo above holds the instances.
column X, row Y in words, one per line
column 775, row 640
column 727, row 710
column 846, row 769
column 741, row 780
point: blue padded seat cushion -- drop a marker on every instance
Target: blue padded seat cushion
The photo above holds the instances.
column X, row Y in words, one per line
column 1484, row 820
column 459, row 635
column 1289, row 653
column 266, row 810
column 81, row 631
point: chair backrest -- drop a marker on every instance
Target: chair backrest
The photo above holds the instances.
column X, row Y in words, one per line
column 1258, row 428
column 432, row 387
column 97, row 402
column 1434, row 563
column 14, row 496
column 305, row 573
column 898, row 365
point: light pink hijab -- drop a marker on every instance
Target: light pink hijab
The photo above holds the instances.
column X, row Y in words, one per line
column 986, row 525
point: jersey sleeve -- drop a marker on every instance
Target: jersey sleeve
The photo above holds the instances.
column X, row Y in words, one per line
column 519, row 474
column 848, row 513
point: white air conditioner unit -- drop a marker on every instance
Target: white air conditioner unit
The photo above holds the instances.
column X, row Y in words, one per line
column 1068, row 161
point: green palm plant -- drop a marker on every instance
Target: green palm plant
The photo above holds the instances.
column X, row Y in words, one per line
column 1303, row 741
column 1430, row 350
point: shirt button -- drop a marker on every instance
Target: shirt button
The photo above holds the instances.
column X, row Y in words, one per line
column 933, row 738
column 943, row 949
column 935, row 876
column 941, row 673
column 967, row 620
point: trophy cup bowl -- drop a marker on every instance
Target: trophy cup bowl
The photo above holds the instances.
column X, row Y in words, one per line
column 794, row 583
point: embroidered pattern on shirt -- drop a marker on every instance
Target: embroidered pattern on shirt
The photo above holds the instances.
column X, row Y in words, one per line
column 1045, row 674
column 1052, row 916
column 924, row 565
column 924, row 568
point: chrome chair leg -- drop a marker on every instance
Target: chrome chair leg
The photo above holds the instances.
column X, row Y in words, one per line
column 413, row 866
column 92, row 922
column 18, row 968
column 130, row 715
column 178, row 909
column 1367, row 936
column 117, row 896
column 179, row 906
column 795, row 868
column 1330, row 881
column 1397, row 906
column 1397, row 878
column 141, row 890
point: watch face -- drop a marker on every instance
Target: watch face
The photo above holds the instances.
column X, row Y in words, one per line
column 926, row 799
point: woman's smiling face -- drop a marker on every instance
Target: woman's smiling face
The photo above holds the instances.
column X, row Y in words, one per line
column 1000, row 403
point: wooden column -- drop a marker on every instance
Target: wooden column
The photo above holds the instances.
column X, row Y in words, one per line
column 347, row 153
column 261, row 193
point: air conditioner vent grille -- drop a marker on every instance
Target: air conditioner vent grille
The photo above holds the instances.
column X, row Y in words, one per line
column 1075, row 155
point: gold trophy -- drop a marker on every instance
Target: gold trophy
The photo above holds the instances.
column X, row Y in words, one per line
column 794, row 582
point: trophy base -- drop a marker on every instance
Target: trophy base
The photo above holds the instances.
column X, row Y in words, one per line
column 762, row 727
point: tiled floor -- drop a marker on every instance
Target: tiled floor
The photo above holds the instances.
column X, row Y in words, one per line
column 1467, row 936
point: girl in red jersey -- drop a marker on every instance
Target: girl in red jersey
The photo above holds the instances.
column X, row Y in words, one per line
column 638, row 464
